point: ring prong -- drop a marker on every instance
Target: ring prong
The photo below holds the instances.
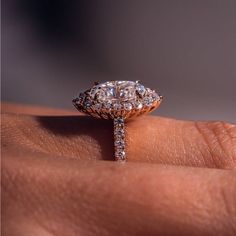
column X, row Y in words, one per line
column 137, row 81
column 161, row 97
column 96, row 83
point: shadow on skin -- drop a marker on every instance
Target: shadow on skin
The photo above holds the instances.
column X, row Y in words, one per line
column 98, row 129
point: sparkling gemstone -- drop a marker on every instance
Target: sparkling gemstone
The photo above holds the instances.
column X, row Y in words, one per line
column 155, row 96
column 117, row 106
column 126, row 90
column 81, row 95
column 119, row 143
column 120, row 154
column 119, row 149
column 147, row 101
column 120, row 137
column 118, row 124
column 87, row 103
column 140, row 89
column 98, row 106
column 119, row 121
column 80, row 99
column 138, row 105
column 107, row 105
column 114, row 91
column 119, row 132
column 128, row 106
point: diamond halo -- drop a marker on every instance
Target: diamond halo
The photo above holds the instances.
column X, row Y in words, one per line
column 117, row 99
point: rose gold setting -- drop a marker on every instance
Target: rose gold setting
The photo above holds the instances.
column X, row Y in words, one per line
column 119, row 101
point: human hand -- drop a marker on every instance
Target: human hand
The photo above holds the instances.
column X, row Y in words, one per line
column 56, row 181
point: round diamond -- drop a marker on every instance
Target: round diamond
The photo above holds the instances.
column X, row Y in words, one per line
column 81, row 95
column 147, row 101
column 140, row 89
column 119, row 143
column 107, row 105
column 120, row 137
column 98, row 106
column 120, row 149
column 155, row 96
column 119, row 126
column 119, row 120
column 118, row 123
column 117, row 106
column 128, row 106
column 138, row 105
column 120, row 155
column 80, row 99
column 119, row 132
column 87, row 103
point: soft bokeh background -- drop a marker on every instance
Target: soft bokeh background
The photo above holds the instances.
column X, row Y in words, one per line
column 185, row 49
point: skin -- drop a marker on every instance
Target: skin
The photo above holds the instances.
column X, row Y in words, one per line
column 58, row 177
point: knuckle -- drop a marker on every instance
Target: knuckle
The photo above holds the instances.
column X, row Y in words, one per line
column 220, row 140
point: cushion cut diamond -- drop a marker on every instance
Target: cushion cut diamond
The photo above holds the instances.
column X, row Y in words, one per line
column 113, row 91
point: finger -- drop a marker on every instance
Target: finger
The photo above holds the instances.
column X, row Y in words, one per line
column 44, row 197
column 13, row 108
column 168, row 141
column 149, row 139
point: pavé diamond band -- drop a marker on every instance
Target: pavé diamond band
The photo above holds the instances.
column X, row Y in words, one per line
column 117, row 100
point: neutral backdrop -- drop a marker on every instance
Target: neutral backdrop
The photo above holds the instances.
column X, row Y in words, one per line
column 186, row 50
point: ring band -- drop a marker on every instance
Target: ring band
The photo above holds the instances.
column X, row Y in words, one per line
column 119, row 101
column 119, row 139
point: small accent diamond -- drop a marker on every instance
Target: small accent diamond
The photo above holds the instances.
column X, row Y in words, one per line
column 120, row 137
column 140, row 89
column 120, row 155
column 128, row 106
column 87, row 103
column 117, row 106
column 107, row 105
column 155, row 96
column 119, row 132
column 138, row 105
column 118, row 121
column 147, row 101
column 119, row 143
column 97, row 106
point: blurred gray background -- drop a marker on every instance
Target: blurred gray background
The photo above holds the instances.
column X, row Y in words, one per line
column 185, row 49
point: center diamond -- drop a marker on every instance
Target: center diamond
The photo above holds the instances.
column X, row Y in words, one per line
column 113, row 91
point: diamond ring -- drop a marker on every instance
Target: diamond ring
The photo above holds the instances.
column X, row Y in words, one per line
column 117, row 100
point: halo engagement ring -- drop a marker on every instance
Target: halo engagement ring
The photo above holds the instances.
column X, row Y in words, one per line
column 117, row 100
